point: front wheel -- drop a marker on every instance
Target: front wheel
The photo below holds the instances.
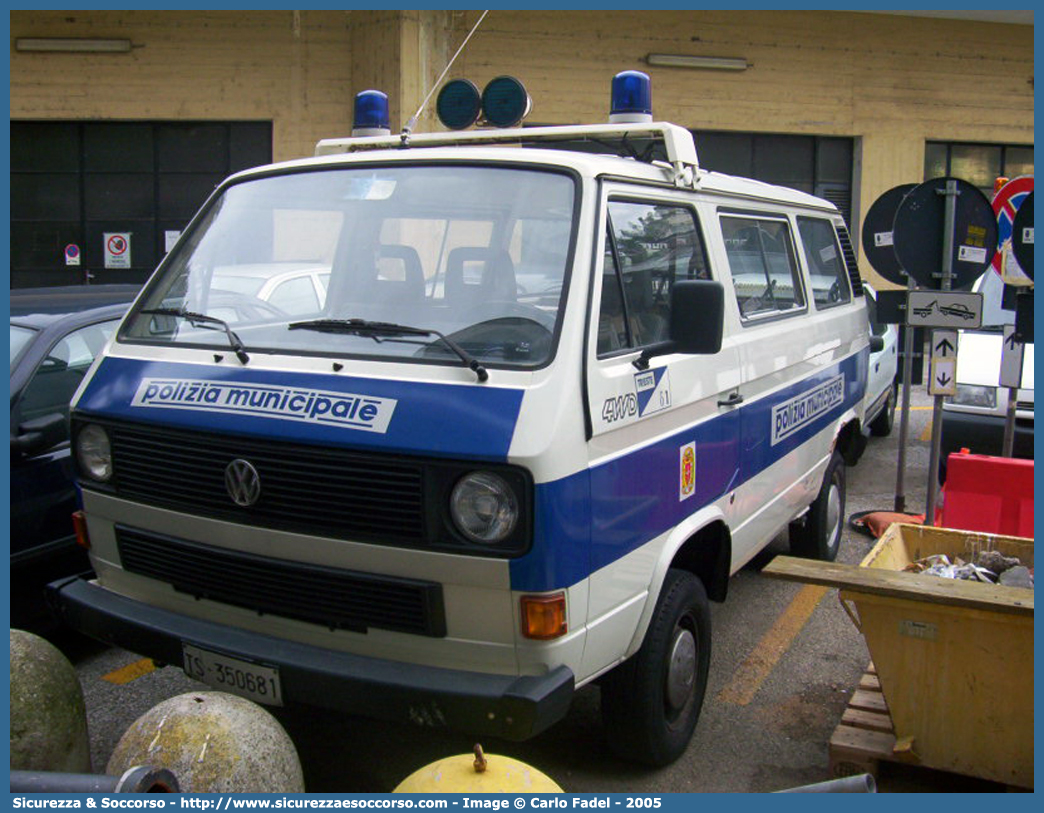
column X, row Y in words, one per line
column 651, row 702
column 819, row 535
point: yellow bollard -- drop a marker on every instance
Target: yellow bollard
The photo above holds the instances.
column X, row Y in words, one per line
column 477, row 773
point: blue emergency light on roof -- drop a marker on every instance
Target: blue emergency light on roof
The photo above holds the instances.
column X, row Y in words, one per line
column 458, row 104
column 505, row 102
column 371, row 114
column 631, row 98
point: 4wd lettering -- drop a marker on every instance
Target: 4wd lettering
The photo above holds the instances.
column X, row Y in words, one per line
column 623, row 406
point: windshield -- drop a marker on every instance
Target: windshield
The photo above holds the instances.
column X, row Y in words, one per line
column 478, row 254
column 20, row 337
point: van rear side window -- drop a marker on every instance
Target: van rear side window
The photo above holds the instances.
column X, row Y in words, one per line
column 828, row 276
column 647, row 247
column 764, row 271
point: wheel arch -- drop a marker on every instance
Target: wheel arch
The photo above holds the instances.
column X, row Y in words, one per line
column 701, row 545
column 850, row 440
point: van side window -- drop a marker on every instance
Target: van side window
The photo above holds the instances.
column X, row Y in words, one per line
column 828, row 276
column 764, row 270
column 647, row 247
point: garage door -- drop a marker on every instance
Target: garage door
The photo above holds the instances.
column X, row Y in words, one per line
column 107, row 198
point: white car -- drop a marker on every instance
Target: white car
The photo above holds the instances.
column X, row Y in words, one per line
column 974, row 418
column 882, row 387
column 287, row 286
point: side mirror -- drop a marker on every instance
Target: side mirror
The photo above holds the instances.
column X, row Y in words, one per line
column 876, row 343
column 697, row 321
column 40, row 434
column 697, row 316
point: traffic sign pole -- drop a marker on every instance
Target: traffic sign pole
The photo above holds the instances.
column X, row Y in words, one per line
column 951, row 192
column 904, row 414
column 1008, row 449
column 1011, row 377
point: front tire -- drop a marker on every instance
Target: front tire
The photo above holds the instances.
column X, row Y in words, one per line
column 651, row 702
column 819, row 536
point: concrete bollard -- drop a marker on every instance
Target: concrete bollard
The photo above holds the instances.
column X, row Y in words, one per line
column 48, row 717
column 214, row 743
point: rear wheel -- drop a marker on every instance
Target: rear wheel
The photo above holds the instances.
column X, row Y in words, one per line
column 651, row 702
column 819, row 535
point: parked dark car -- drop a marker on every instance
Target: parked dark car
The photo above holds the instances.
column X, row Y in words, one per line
column 56, row 333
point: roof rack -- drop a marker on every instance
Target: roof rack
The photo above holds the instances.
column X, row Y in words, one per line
column 677, row 142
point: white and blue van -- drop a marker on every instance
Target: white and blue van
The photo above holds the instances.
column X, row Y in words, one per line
column 552, row 399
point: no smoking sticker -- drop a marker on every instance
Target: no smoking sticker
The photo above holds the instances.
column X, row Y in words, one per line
column 117, row 249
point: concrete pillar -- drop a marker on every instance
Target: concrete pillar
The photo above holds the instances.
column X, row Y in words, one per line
column 401, row 53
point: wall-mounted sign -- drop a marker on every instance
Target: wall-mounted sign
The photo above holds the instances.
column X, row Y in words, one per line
column 72, row 254
column 117, row 249
column 170, row 237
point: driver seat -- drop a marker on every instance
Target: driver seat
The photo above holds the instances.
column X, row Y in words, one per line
column 475, row 275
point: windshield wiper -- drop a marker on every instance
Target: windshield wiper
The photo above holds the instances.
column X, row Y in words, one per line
column 364, row 327
column 202, row 320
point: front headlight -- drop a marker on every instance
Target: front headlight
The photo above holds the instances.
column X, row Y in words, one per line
column 484, row 507
column 94, row 453
column 975, row 396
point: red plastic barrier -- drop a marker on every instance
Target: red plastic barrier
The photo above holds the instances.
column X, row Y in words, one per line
column 986, row 493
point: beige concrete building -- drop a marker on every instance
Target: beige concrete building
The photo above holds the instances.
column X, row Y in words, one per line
column 842, row 104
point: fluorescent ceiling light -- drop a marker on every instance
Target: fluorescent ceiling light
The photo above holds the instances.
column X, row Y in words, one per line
column 73, row 45
column 717, row 63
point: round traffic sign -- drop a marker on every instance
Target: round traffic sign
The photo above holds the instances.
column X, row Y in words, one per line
column 1022, row 235
column 877, row 234
column 1005, row 204
column 918, row 234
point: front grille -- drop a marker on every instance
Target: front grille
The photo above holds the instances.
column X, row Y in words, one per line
column 1026, row 405
column 338, row 599
column 308, row 489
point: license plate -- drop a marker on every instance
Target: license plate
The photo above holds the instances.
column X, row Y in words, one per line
column 232, row 675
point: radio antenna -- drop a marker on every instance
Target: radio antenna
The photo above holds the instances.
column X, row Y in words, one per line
column 408, row 129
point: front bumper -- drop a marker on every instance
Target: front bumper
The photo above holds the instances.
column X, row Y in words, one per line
column 505, row 706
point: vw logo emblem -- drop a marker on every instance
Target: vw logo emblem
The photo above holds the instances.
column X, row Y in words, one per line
column 242, row 482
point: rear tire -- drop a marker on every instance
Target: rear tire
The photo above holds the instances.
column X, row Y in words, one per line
column 651, row 702
column 819, row 536
column 881, row 426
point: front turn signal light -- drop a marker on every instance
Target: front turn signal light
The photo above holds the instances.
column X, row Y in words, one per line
column 544, row 617
column 79, row 521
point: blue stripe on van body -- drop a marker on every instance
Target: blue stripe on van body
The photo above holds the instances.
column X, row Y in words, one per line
column 614, row 508
column 463, row 421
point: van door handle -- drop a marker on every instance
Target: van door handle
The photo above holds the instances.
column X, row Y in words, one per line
column 733, row 399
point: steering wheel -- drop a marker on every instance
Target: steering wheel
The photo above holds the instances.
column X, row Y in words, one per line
column 489, row 311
